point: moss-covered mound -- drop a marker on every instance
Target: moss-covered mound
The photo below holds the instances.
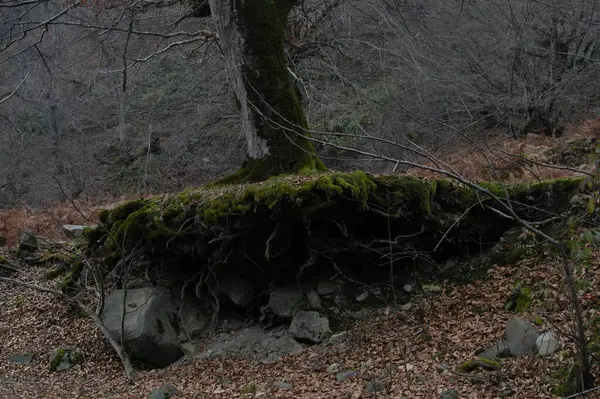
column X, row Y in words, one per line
column 352, row 224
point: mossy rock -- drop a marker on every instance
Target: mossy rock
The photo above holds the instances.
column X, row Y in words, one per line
column 64, row 358
column 475, row 364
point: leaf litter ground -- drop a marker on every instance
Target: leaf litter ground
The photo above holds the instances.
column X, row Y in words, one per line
column 411, row 354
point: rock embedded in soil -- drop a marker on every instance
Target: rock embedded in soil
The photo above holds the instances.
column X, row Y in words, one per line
column 310, row 326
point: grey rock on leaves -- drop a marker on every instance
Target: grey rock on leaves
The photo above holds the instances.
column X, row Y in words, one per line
column 283, row 300
column 282, row 385
column 494, row 351
column 546, row 344
column 23, row 358
column 150, row 316
column 338, row 338
column 345, row 375
column 164, row 392
column 64, row 358
column 28, row 242
column 521, row 336
column 311, row 327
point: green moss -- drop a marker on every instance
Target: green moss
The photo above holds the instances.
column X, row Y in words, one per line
column 520, row 299
column 524, row 300
column 57, row 357
column 70, row 279
column 3, row 260
column 210, row 222
column 471, row 365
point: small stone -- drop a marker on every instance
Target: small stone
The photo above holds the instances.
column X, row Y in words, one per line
column 375, row 386
column 28, row 242
column 421, row 378
column 546, row 344
column 362, row 314
column 364, row 295
column 450, row 263
column 226, row 382
column 164, row 392
column 314, row 301
column 408, row 288
column 326, row 288
column 24, row 358
column 338, row 338
column 345, row 375
column 282, row 385
column 406, row 307
column 450, row 394
column 333, row 368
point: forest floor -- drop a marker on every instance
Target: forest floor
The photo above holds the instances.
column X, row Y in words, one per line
column 389, row 346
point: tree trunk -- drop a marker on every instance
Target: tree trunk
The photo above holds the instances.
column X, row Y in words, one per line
column 251, row 34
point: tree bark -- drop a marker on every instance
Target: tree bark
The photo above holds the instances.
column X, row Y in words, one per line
column 251, row 34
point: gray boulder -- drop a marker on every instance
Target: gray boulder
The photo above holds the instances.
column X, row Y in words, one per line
column 311, row 327
column 193, row 318
column 497, row 350
column 546, row 344
column 149, row 326
column 28, row 242
column 521, row 336
column 239, row 291
column 283, row 300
